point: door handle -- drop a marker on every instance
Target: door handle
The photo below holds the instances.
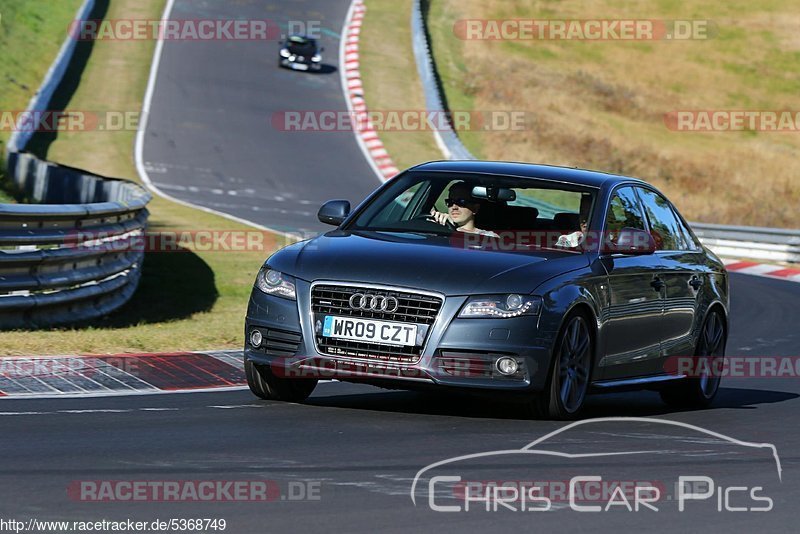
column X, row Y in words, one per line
column 658, row 284
column 696, row 283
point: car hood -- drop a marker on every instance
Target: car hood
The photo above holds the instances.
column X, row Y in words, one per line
column 302, row 50
column 422, row 262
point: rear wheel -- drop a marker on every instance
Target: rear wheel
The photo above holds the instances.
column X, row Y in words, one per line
column 264, row 384
column 571, row 369
column 699, row 391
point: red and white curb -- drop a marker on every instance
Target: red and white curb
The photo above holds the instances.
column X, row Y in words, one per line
column 762, row 269
column 365, row 132
column 120, row 374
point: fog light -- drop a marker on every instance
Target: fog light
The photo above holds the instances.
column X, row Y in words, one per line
column 255, row 338
column 507, row 366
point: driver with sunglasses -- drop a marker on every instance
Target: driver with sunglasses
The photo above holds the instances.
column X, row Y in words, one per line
column 461, row 210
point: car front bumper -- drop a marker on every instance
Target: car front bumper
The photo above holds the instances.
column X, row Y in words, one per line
column 297, row 65
column 460, row 353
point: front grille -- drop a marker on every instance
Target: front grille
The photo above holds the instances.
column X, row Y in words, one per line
column 412, row 308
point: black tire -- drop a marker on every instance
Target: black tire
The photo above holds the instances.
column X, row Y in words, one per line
column 264, row 384
column 570, row 371
column 699, row 392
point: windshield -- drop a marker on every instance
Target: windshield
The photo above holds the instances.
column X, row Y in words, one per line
column 535, row 212
column 301, row 45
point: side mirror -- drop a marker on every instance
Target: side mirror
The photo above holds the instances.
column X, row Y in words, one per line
column 632, row 241
column 334, row 212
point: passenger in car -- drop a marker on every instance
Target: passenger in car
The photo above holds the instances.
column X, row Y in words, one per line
column 573, row 239
column 573, row 228
column 461, row 210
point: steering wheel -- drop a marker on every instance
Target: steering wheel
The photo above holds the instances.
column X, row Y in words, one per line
column 429, row 218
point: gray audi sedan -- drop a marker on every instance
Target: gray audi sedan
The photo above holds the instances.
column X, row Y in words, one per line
column 538, row 283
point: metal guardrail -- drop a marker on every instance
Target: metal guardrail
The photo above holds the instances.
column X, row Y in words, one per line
column 773, row 244
column 72, row 254
column 67, row 263
column 447, row 139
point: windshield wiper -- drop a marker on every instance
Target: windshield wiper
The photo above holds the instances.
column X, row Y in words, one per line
column 405, row 231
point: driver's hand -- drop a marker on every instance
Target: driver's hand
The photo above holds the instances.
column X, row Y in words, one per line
column 442, row 218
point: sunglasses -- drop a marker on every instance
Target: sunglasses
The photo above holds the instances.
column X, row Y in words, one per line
column 462, row 202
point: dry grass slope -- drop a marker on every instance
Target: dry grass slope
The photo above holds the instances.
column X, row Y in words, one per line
column 601, row 105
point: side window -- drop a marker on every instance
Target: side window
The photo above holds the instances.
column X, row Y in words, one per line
column 664, row 225
column 688, row 237
column 623, row 212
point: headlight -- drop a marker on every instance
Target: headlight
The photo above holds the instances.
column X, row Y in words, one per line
column 316, row 58
column 501, row 306
column 285, row 52
column 292, row 57
column 276, row 283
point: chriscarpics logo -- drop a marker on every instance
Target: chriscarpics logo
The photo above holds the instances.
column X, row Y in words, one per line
column 608, row 465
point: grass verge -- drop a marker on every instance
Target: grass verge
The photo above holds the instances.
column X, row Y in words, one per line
column 391, row 83
column 601, row 104
column 186, row 301
column 31, row 34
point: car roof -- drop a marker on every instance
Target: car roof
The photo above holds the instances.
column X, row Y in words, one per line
column 571, row 175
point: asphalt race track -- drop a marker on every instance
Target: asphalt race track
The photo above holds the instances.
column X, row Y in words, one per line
column 210, row 136
column 360, row 447
column 356, row 449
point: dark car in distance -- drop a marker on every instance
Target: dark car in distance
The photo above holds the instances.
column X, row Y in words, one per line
column 300, row 52
column 578, row 282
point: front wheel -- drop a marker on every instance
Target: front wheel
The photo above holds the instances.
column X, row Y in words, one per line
column 571, row 369
column 264, row 384
column 699, row 391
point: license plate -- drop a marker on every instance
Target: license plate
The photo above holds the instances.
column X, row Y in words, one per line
column 299, row 66
column 370, row 330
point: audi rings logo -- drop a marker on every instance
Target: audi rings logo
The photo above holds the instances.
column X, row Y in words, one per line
column 378, row 303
